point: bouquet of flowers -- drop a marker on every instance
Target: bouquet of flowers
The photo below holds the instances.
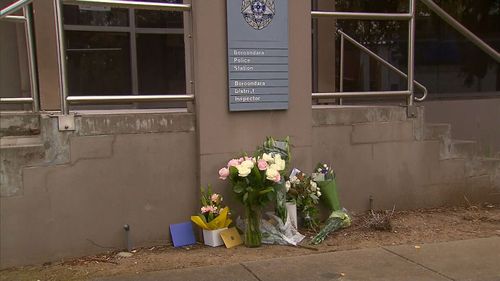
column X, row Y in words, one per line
column 254, row 181
column 336, row 221
column 325, row 177
column 213, row 215
column 282, row 148
column 305, row 193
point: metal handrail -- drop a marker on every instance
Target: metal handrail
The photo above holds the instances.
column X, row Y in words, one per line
column 410, row 17
column 15, row 100
column 127, row 99
column 14, row 18
column 14, row 7
column 362, row 94
column 362, row 16
column 462, row 29
column 376, row 57
column 27, row 20
column 134, row 4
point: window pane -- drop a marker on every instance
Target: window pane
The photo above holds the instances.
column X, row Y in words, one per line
column 98, row 63
column 161, row 66
column 159, row 19
column 97, row 16
column 445, row 61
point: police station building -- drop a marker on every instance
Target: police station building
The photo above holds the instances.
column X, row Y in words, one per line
column 116, row 112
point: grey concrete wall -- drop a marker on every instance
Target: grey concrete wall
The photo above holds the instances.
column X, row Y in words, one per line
column 378, row 152
column 114, row 170
column 470, row 120
column 223, row 134
column 326, row 53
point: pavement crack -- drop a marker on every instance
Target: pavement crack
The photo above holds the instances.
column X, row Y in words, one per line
column 419, row 264
column 251, row 272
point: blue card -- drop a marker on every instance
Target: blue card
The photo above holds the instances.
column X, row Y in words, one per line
column 182, row 234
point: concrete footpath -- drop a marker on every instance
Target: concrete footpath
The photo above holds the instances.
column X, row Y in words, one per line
column 466, row 260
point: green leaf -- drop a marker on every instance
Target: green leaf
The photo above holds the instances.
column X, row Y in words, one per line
column 203, row 218
column 270, row 196
column 245, row 197
column 267, row 190
column 256, row 173
column 238, row 188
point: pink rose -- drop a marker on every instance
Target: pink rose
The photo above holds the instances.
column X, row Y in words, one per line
column 277, row 178
column 262, row 164
column 233, row 163
column 215, row 197
column 223, row 173
column 250, row 158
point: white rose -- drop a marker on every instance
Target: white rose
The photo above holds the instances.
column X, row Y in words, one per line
column 268, row 158
column 288, row 185
column 281, row 163
column 243, row 171
column 272, row 174
column 314, row 185
column 274, row 167
column 277, row 157
column 319, row 193
column 247, row 163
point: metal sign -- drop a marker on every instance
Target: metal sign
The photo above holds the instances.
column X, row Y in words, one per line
column 257, row 43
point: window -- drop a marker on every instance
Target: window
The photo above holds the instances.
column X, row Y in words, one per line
column 446, row 63
column 115, row 51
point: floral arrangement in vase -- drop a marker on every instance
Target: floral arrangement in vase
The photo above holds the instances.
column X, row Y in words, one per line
column 213, row 217
column 254, row 181
column 325, row 177
column 305, row 192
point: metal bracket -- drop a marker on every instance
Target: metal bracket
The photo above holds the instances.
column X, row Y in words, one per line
column 412, row 111
column 66, row 122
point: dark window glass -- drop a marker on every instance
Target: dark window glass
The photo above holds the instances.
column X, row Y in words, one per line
column 445, row 61
column 159, row 19
column 94, row 15
column 160, row 59
column 98, row 63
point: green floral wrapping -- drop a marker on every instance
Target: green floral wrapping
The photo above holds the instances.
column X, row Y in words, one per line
column 281, row 203
column 329, row 194
column 336, row 221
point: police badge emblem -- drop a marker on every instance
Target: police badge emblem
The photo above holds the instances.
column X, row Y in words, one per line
column 258, row 13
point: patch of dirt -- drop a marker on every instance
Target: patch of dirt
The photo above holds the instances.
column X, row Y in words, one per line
column 408, row 227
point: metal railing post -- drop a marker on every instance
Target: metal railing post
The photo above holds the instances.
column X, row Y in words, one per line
column 61, row 56
column 27, row 11
column 341, row 82
column 383, row 62
column 411, row 52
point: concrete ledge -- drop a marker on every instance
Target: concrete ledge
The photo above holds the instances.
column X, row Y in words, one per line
column 138, row 123
column 19, row 124
column 437, row 131
column 348, row 115
column 382, row 132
